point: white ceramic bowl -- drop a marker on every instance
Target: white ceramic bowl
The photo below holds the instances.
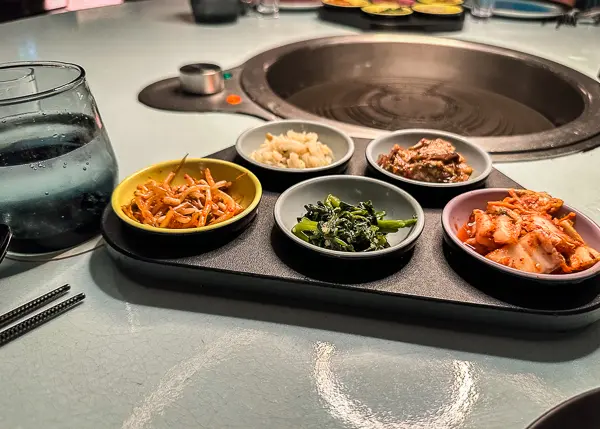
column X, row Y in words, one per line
column 338, row 141
column 476, row 157
column 398, row 204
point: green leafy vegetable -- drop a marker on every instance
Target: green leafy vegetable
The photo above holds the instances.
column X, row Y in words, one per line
column 336, row 225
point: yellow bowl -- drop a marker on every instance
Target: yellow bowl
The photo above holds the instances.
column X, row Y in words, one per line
column 437, row 9
column 245, row 189
column 346, row 3
column 387, row 10
column 442, row 2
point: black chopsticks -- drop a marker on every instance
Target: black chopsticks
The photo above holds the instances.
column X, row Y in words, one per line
column 31, row 306
column 39, row 319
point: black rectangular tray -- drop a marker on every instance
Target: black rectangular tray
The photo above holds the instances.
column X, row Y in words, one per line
column 434, row 281
column 354, row 17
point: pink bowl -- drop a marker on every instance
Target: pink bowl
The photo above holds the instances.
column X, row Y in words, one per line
column 458, row 210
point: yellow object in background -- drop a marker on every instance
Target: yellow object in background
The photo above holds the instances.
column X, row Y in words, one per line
column 437, row 9
column 387, row 9
column 442, row 2
column 347, row 3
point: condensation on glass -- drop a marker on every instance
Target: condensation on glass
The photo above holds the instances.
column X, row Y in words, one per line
column 57, row 166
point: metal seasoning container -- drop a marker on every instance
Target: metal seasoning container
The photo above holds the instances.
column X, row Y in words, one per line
column 201, row 79
column 215, row 11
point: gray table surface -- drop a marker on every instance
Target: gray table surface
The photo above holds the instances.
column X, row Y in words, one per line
column 135, row 357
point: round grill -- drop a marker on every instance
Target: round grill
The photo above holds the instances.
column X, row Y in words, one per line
column 391, row 104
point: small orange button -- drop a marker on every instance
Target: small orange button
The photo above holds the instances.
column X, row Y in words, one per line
column 234, row 99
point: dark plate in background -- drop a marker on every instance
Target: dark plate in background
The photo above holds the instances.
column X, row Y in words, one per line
column 579, row 412
column 355, row 18
column 5, row 236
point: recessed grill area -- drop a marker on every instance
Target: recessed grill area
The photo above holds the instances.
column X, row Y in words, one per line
column 514, row 105
column 398, row 103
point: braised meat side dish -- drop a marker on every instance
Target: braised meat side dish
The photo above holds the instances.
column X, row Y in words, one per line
column 428, row 161
column 522, row 232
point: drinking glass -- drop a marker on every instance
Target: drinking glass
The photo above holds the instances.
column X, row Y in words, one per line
column 482, row 8
column 18, row 82
column 268, row 7
column 57, row 166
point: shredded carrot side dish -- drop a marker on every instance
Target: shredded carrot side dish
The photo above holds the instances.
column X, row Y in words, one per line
column 198, row 202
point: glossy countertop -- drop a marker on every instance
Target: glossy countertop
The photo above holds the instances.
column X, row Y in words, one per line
column 136, row 357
